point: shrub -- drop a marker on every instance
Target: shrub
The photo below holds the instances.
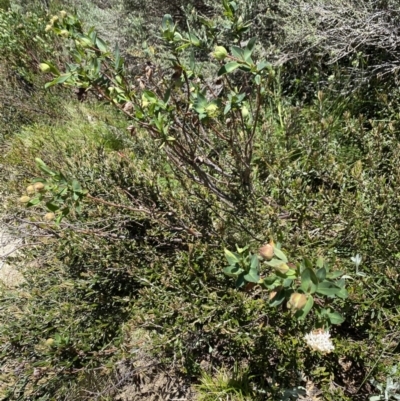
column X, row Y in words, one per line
column 144, row 252
column 24, row 43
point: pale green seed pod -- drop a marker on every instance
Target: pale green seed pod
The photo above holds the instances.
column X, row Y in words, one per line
column 44, row 67
column 220, row 53
column 283, row 268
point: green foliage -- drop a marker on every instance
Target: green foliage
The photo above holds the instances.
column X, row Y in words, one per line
column 4, row 4
column 23, row 43
column 175, row 110
column 298, row 285
column 388, row 391
column 144, row 252
column 234, row 386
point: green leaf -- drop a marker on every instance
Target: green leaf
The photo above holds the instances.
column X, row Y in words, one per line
column 227, row 108
column 274, row 262
column 342, row 293
column 320, row 262
column 59, row 218
column 271, row 279
column 42, row 165
column 200, row 103
column 237, row 52
column 326, row 288
column 101, row 45
column 287, row 282
column 241, row 250
column 63, row 191
column 335, row 274
column 95, row 65
column 231, row 257
column 76, row 187
column 249, row 49
column 233, row 270
column 240, row 281
column 252, row 276
column 278, row 298
column 307, row 263
column 34, row 201
column 262, row 64
column 194, row 40
column 279, row 254
column 118, row 62
column 254, row 263
column 59, row 80
column 321, row 274
column 53, row 207
column 309, row 281
column 228, row 67
column 335, row 317
column 167, row 22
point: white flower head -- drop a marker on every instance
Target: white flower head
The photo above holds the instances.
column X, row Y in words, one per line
column 319, row 340
column 356, row 260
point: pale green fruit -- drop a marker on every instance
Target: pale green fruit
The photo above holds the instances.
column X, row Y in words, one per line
column 44, row 67
column 220, row 53
column 282, row 268
column 212, row 110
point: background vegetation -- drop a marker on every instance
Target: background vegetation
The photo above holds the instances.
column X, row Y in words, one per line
column 126, row 298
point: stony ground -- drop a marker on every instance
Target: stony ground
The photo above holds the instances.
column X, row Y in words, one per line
column 9, row 275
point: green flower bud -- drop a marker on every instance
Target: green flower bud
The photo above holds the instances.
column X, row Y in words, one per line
column 44, row 67
column 245, row 111
column 220, row 53
column 283, row 268
column 212, row 110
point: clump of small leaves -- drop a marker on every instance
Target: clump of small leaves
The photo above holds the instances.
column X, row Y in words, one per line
column 303, row 286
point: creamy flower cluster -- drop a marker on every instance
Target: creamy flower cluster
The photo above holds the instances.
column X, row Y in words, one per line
column 319, row 340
